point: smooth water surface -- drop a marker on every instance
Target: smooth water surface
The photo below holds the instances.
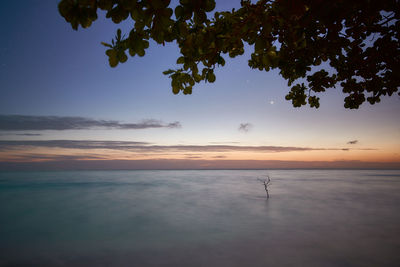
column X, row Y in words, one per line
column 200, row 218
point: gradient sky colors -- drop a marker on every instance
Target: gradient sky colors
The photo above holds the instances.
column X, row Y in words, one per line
column 62, row 105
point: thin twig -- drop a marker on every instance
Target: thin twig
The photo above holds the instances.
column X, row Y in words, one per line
column 266, row 183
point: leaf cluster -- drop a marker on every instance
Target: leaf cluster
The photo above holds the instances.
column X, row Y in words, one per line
column 359, row 40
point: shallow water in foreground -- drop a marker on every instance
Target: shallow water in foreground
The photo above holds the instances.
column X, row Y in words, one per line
column 200, row 218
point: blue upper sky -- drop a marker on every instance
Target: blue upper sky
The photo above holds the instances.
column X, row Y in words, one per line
column 48, row 69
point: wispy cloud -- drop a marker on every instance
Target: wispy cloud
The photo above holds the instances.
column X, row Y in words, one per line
column 71, row 144
column 245, row 127
column 150, row 148
column 42, row 157
column 219, row 143
column 352, row 142
column 19, row 134
column 40, row 123
column 28, row 134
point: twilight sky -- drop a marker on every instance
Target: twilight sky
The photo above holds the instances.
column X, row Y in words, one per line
column 62, row 106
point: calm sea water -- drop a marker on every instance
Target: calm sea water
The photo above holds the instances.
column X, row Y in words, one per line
column 200, row 218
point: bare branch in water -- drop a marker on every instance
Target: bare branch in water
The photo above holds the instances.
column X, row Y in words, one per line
column 266, row 183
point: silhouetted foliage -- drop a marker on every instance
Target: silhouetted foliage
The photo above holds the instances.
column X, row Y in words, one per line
column 359, row 39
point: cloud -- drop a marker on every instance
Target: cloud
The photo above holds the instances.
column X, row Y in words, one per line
column 352, row 142
column 28, row 134
column 20, row 134
column 224, row 143
column 147, row 124
column 40, row 123
column 41, row 157
column 245, row 127
column 175, row 124
column 151, row 148
column 71, row 144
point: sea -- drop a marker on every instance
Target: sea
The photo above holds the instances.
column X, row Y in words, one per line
column 200, row 218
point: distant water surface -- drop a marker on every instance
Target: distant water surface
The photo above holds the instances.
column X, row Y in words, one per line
column 200, row 218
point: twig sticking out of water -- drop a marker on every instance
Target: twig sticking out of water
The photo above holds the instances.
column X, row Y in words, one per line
column 266, row 183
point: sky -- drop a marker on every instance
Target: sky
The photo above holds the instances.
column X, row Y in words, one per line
column 63, row 107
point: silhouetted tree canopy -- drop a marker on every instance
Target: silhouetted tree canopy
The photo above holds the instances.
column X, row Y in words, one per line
column 358, row 39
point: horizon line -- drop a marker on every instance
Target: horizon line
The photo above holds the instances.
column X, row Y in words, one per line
column 186, row 164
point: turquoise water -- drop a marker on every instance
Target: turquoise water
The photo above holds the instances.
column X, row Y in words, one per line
column 200, row 218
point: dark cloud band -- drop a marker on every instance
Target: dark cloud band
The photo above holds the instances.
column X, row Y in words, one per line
column 71, row 144
column 40, row 123
column 148, row 147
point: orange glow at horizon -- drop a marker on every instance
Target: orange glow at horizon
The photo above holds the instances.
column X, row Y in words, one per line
column 37, row 154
